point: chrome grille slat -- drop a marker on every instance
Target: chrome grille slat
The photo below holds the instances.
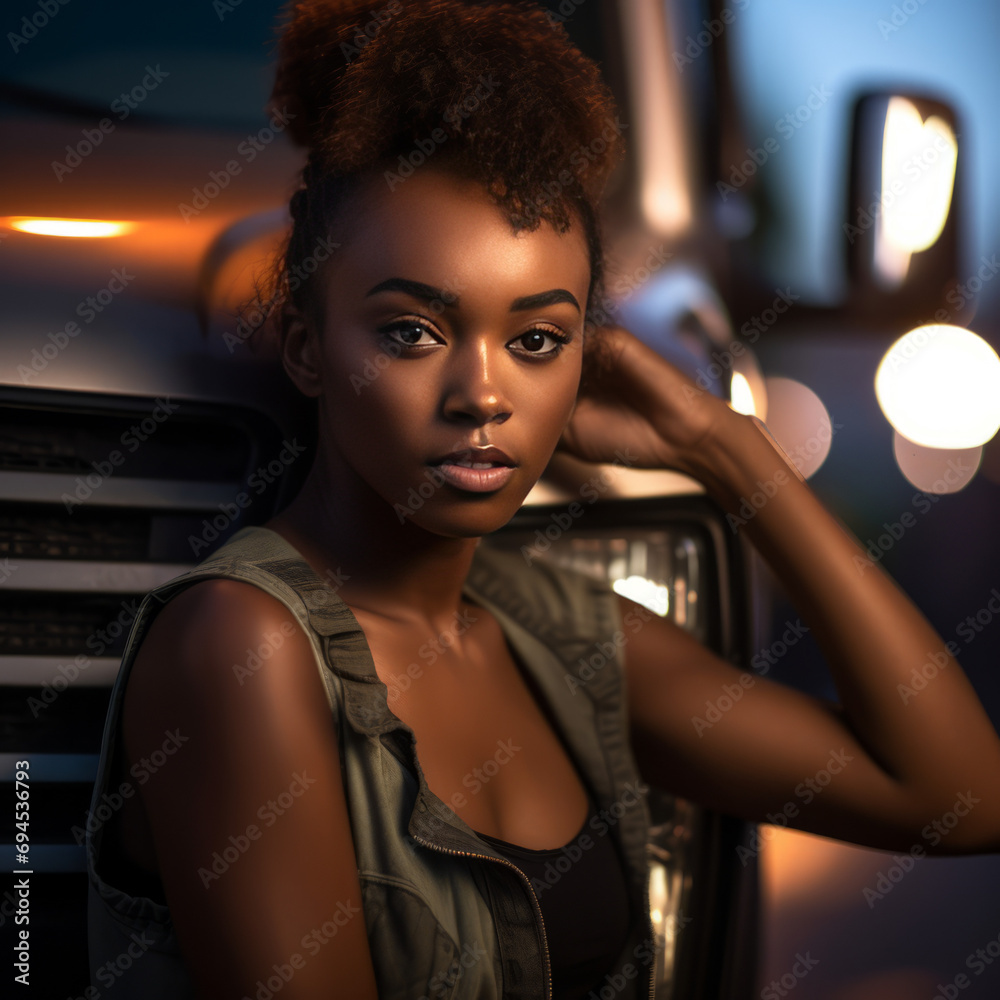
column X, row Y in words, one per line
column 115, row 491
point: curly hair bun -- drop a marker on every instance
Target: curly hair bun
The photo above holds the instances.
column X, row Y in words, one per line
column 370, row 86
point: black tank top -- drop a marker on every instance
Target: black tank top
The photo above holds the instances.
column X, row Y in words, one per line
column 581, row 891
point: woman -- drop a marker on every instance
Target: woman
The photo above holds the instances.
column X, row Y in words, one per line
column 454, row 163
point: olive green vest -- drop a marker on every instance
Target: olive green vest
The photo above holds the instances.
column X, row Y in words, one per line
column 447, row 917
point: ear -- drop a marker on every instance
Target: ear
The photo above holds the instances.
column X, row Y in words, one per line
column 300, row 351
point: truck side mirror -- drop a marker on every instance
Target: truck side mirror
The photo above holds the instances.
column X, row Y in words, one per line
column 902, row 225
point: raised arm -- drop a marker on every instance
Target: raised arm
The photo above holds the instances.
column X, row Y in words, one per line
column 249, row 817
column 892, row 761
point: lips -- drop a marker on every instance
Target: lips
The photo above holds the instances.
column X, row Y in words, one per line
column 477, row 470
column 475, row 457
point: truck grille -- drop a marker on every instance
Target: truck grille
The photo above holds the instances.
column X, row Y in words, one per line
column 101, row 499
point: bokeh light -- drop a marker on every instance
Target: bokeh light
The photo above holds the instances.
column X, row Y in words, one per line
column 939, row 386
column 936, row 470
column 799, row 422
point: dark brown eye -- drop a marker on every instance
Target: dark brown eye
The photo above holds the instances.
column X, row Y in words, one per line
column 540, row 343
column 410, row 333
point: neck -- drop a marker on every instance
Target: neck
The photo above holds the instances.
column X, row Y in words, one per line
column 355, row 541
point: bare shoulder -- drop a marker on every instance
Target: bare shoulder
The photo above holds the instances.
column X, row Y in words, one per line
column 250, row 800
column 214, row 657
column 211, row 617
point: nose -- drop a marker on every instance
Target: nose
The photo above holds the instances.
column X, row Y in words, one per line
column 473, row 393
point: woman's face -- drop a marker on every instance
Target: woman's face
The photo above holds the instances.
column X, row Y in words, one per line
column 443, row 332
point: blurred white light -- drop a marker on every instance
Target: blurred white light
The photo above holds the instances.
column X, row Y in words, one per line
column 918, row 178
column 939, row 386
column 936, row 470
column 741, row 395
column 799, row 422
column 651, row 595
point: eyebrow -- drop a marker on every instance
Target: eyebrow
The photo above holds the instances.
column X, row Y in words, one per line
column 427, row 292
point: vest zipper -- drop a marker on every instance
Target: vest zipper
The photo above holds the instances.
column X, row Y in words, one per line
column 534, row 900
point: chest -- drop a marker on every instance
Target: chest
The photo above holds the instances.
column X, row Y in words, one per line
column 485, row 741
